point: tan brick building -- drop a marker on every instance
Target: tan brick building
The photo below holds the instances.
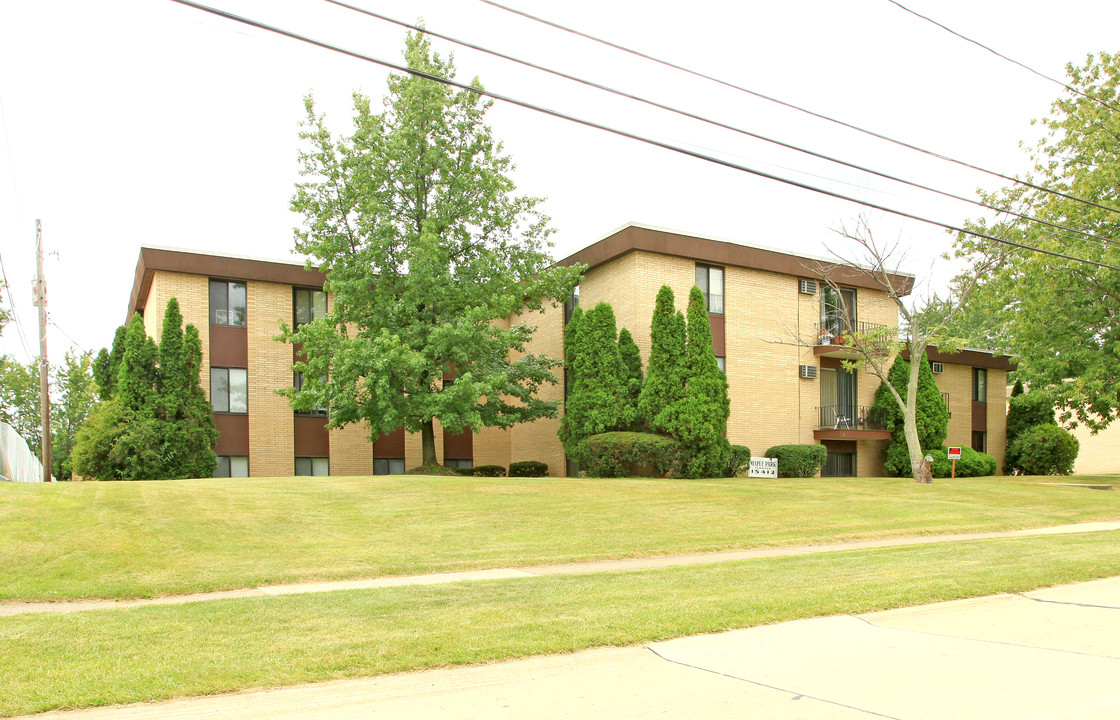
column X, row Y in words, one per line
column 775, row 319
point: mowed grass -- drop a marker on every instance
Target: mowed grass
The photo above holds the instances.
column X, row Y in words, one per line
column 124, row 540
column 155, row 652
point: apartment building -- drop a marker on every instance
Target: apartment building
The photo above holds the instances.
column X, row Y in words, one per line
column 777, row 325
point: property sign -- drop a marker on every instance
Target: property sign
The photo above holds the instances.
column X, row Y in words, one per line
column 954, row 453
column 763, row 467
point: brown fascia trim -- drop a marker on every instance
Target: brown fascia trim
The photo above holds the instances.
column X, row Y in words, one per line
column 971, row 357
column 216, row 266
column 719, row 252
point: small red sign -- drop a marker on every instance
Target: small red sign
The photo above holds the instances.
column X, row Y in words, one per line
column 954, row 453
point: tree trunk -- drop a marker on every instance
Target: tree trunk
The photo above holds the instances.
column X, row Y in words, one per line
column 920, row 467
column 428, row 444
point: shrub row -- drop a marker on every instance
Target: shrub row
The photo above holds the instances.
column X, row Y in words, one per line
column 528, row 468
column 482, row 471
column 799, row 461
column 971, row 464
column 631, row 454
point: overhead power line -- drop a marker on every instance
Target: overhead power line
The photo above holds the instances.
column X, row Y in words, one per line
column 621, row 133
column 1013, row 61
column 15, row 313
column 716, row 123
column 798, row 108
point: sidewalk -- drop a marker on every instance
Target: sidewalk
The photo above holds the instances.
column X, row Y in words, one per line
column 580, row 568
column 1052, row 654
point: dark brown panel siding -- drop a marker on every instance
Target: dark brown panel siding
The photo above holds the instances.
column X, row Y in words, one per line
column 229, row 346
column 980, row 416
column 459, row 446
column 311, row 437
column 719, row 334
column 390, row 445
column 233, row 434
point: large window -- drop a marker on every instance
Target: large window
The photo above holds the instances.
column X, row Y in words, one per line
column 227, row 303
column 980, row 441
column 232, row 466
column 297, row 383
column 313, row 466
column 839, row 464
column 710, row 281
column 571, row 304
column 838, row 399
column 455, row 464
column 229, row 390
column 838, row 311
column 979, row 385
column 388, row 466
column 309, row 305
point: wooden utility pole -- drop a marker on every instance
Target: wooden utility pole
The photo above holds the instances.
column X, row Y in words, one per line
column 40, row 299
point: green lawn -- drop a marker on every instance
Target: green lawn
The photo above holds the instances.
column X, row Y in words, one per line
column 122, row 540
column 147, row 653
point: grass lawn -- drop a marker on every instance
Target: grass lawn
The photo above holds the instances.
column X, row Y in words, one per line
column 123, row 540
column 116, row 656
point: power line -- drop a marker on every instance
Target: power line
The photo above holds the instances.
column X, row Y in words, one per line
column 15, row 313
column 716, row 123
column 1004, row 57
column 791, row 106
column 622, row 133
column 74, row 342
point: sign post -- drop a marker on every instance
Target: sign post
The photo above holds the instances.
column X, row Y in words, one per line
column 954, row 455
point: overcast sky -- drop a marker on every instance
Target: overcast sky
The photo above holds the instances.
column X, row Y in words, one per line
column 143, row 122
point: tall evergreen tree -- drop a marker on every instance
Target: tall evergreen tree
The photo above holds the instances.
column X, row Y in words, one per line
column 188, row 432
column 631, row 359
column 664, row 383
column 597, row 394
column 108, row 363
column 699, row 419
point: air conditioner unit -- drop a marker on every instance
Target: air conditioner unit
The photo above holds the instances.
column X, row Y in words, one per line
column 809, row 287
column 809, row 372
column 937, row 367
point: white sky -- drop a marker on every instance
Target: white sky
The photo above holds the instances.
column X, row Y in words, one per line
column 131, row 122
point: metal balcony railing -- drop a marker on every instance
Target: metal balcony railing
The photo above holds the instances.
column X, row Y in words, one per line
column 832, row 331
column 846, row 417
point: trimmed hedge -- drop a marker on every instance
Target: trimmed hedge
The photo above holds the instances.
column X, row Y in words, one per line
column 483, row 471
column 630, row 454
column 971, row 464
column 799, row 461
column 1046, row 450
column 739, row 462
column 528, row 468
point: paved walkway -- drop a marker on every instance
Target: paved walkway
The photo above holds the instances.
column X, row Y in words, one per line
column 581, row 568
column 1052, row 654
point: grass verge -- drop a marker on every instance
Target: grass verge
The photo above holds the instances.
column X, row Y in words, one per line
column 142, row 539
column 119, row 656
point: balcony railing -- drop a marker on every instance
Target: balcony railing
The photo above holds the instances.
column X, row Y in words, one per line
column 832, row 331
column 846, row 417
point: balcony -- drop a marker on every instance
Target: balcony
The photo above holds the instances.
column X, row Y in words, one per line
column 833, row 337
column 847, row 422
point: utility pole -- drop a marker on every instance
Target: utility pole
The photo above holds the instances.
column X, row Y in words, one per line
column 40, row 301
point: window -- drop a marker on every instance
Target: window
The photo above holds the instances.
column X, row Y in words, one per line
column 455, row 464
column 838, row 409
column 980, row 441
column 710, row 281
column 297, row 383
column 388, row 466
column 839, row 464
column 229, row 390
column 313, row 466
column 945, row 398
column 232, row 466
column 309, row 305
column 979, row 385
column 227, row 303
column 721, row 363
column 838, row 312
column 571, row 304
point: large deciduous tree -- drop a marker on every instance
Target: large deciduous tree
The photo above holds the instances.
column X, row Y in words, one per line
column 75, row 396
column 1059, row 316
column 432, row 260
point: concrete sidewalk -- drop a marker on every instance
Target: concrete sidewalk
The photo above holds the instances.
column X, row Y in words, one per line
column 579, row 568
column 1052, row 654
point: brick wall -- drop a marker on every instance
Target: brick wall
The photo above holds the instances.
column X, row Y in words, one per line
column 271, row 432
column 193, row 294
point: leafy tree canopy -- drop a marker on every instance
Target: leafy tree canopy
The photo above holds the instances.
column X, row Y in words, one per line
column 432, row 261
column 1060, row 316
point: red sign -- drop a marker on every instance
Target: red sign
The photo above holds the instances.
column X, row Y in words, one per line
column 954, row 453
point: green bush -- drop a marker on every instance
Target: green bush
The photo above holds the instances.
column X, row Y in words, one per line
column 739, row 462
column 528, row 468
column 631, row 454
column 1025, row 411
column 1046, row 450
column 798, row 460
column 482, row 471
column 971, row 464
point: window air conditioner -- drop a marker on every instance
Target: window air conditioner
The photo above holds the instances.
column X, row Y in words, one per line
column 809, row 287
column 809, row 372
column 937, row 367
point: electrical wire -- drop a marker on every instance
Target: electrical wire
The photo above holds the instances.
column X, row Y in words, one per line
column 1013, row 61
column 15, row 314
column 791, row 106
column 716, row 123
column 622, row 133
column 73, row 342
